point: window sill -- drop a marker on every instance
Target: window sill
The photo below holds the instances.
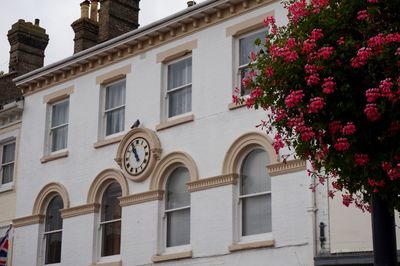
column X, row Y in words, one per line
column 233, row 106
column 7, row 187
column 106, row 142
column 172, row 256
column 53, row 157
column 251, row 245
column 112, row 263
column 175, row 122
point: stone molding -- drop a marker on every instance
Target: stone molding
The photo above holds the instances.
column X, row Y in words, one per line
column 53, row 157
column 141, row 198
column 106, row 142
column 58, row 95
column 112, row 263
column 28, row 220
column 212, row 182
column 286, row 167
column 47, row 193
column 114, row 75
column 248, row 25
column 176, row 52
column 251, row 245
column 80, row 210
column 138, row 42
column 173, row 256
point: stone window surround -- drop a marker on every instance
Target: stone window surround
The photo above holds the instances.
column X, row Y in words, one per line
column 165, row 57
column 241, row 28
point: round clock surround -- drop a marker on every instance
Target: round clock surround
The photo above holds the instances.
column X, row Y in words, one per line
column 138, row 153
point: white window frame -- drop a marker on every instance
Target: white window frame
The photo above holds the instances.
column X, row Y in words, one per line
column 9, row 185
column 240, row 238
column 51, row 129
column 166, row 92
column 238, row 68
column 103, row 111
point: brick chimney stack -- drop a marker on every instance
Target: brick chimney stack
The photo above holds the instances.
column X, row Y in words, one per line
column 28, row 42
column 117, row 17
column 191, row 3
column 86, row 29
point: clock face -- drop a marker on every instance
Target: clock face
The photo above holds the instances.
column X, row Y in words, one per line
column 137, row 156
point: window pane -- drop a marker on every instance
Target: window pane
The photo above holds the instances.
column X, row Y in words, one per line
column 115, row 95
column 8, row 153
column 53, row 248
column 59, row 114
column 246, row 46
column 180, row 101
column 253, row 176
column 59, row 138
column 178, row 228
column 256, row 215
column 115, row 121
column 110, row 209
column 53, row 215
column 111, row 239
column 180, row 73
column 177, row 194
column 7, row 173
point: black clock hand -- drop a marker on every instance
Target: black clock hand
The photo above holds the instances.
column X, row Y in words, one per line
column 135, row 153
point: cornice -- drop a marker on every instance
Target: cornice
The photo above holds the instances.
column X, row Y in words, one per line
column 136, row 42
column 80, row 210
column 212, row 182
column 28, row 220
column 286, row 167
column 141, row 198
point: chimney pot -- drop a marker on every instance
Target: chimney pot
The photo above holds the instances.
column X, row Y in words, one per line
column 85, row 9
column 191, row 3
column 37, row 22
column 94, row 10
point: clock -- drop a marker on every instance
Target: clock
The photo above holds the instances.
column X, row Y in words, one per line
column 138, row 152
column 137, row 156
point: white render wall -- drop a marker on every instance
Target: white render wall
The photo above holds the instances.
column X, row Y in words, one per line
column 206, row 140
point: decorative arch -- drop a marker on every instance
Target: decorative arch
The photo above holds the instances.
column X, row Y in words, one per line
column 46, row 193
column 170, row 162
column 244, row 144
column 101, row 182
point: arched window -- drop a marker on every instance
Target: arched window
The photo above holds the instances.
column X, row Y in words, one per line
column 255, row 194
column 53, row 230
column 177, row 208
column 111, row 221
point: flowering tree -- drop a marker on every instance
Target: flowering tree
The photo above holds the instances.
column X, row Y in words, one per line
column 330, row 83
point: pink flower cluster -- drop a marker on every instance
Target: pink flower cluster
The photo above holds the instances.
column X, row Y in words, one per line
column 294, row 98
column 278, row 143
column 376, row 184
column 288, row 53
column 297, row 10
column 372, row 112
column 362, row 15
column 342, row 144
column 361, row 159
column 316, row 105
column 363, row 55
column 347, row 200
column 324, row 53
column 349, row 129
column 312, row 79
column 329, row 85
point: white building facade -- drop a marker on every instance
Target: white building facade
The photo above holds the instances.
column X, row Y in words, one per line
column 194, row 183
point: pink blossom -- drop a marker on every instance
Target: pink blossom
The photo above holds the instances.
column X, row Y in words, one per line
column 297, row 10
column 312, row 69
column 393, row 174
column 307, row 134
column 342, row 144
column 336, row 185
column 325, row 52
column 372, row 112
column 331, row 194
column 294, row 98
column 269, row 72
column 308, row 46
column 362, row 14
column 312, row 79
column 347, row 200
column 385, row 88
column 316, row 34
column 316, row 105
column 363, row 54
column 334, row 127
column 270, row 20
column 361, row 159
column 318, row 4
column 280, row 114
column 397, row 52
column 340, row 41
column 349, row 129
column 372, row 94
column 376, row 41
column 253, row 56
column 278, row 143
column 256, row 93
column 372, row 1
column 329, row 85
column 290, row 56
column 386, row 166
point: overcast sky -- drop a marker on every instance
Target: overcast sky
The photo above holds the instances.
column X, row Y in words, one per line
column 56, row 17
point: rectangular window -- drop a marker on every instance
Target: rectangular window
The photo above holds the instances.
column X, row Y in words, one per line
column 246, row 46
column 7, row 162
column 59, row 125
column 114, row 108
column 179, row 87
